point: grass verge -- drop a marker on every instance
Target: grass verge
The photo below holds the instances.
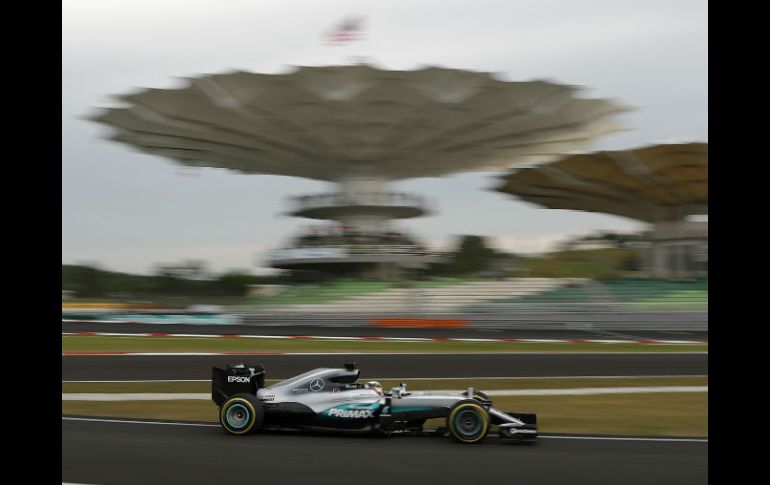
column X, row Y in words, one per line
column 675, row 414
column 413, row 384
column 94, row 343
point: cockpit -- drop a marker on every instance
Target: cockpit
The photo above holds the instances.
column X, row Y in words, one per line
column 327, row 380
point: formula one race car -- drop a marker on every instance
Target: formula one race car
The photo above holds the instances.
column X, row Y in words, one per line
column 329, row 399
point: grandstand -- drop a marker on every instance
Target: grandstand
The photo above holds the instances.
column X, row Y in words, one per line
column 302, row 294
column 621, row 294
column 465, row 295
column 444, row 296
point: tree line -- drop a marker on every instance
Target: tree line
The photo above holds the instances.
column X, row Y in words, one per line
column 189, row 278
column 472, row 256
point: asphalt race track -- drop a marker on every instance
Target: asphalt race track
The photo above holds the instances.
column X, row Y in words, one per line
column 95, row 452
column 395, row 366
column 130, row 453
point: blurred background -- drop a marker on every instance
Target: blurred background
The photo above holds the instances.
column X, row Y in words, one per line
column 129, row 218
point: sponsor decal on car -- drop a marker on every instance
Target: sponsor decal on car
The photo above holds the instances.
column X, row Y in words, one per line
column 267, row 397
column 352, row 411
column 316, row 384
column 242, row 379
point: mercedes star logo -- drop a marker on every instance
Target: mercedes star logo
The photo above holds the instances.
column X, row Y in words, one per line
column 316, row 384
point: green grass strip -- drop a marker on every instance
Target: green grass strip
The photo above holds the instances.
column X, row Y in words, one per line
column 683, row 414
column 413, row 384
column 78, row 343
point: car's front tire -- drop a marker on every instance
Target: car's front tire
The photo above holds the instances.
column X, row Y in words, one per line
column 468, row 422
column 241, row 414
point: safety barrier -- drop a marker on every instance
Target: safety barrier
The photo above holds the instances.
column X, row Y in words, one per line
column 617, row 321
column 419, row 323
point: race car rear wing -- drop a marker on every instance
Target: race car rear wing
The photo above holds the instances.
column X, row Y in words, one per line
column 236, row 379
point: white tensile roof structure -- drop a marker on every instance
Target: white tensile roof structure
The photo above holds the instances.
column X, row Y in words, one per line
column 664, row 182
column 334, row 123
column 660, row 184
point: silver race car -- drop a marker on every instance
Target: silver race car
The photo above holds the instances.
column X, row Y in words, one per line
column 329, row 399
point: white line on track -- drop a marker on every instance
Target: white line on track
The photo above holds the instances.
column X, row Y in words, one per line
column 462, row 339
column 136, row 396
column 324, row 337
column 593, row 391
column 201, row 396
column 404, row 379
column 619, row 438
column 209, row 425
column 127, row 421
column 166, row 335
column 235, row 354
column 140, row 380
column 399, row 339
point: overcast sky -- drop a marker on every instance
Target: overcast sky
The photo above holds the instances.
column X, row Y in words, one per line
column 127, row 211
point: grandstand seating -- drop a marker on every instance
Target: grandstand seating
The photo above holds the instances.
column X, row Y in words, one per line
column 442, row 296
column 464, row 295
column 624, row 293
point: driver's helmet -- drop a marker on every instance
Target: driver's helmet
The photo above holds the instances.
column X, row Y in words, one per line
column 374, row 385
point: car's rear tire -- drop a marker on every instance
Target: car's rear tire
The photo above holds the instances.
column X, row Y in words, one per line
column 241, row 414
column 468, row 422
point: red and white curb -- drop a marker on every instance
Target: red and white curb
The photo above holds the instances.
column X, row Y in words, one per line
column 388, row 339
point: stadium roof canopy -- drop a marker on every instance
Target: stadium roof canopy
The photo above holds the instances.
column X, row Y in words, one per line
column 656, row 183
column 340, row 122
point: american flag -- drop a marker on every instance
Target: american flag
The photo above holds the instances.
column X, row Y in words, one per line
column 348, row 30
